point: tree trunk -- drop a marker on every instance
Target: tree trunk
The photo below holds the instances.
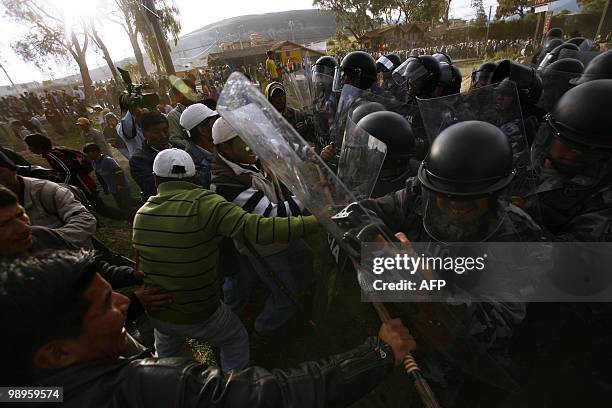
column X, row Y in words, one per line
column 133, row 35
column 160, row 38
column 109, row 61
column 137, row 52
column 87, row 82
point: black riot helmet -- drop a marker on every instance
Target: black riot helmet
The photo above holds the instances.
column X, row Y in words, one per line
column 325, row 65
column 582, row 115
column 556, row 80
column 388, row 62
column 442, row 57
column 577, row 41
column 393, row 130
column 528, row 83
column 358, row 69
column 421, row 73
column 600, row 67
column 554, row 32
column 450, row 80
column 465, row 181
column 482, row 75
column 554, row 54
column 551, row 44
column 570, row 65
column 468, row 159
column 365, row 109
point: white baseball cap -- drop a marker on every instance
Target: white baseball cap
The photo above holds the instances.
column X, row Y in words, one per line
column 222, row 131
column 195, row 114
column 173, row 163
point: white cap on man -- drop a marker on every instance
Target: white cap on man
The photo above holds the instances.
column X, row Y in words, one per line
column 174, row 163
column 195, row 114
column 222, row 131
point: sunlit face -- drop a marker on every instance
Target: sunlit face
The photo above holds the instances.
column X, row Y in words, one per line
column 238, row 151
column 463, row 210
column 158, row 136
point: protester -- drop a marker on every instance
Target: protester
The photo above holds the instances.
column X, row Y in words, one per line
column 271, row 68
column 155, row 129
column 111, row 176
column 239, row 178
column 128, row 128
column 111, row 136
column 50, row 205
column 74, row 169
column 91, row 135
column 183, row 94
column 164, row 231
column 198, row 120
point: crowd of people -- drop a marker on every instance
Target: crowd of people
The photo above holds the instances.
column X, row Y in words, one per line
column 523, row 156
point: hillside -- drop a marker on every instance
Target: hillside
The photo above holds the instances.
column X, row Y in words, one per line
column 308, row 26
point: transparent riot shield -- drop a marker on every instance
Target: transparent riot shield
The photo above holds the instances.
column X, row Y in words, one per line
column 325, row 196
column 361, row 159
column 324, row 106
column 351, row 98
column 497, row 104
column 298, row 88
column 295, row 162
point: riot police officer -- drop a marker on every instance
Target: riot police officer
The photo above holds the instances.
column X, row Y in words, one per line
column 358, row 68
column 420, row 75
column 482, row 75
column 400, row 164
column 573, row 168
column 324, row 99
column 460, row 195
column 460, row 191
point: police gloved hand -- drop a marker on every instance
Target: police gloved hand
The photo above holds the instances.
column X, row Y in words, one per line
column 396, row 335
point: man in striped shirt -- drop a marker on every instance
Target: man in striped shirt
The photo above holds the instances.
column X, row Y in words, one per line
column 239, row 178
column 177, row 234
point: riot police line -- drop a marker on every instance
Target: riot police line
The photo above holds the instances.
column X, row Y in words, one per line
column 395, row 149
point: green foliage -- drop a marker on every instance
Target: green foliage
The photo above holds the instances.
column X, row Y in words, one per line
column 358, row 16
column 361, row 16
column 481, row 15
column 50, row 35
column 592, row 6
column 507, row 8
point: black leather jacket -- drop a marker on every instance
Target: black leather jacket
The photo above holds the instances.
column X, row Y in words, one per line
column 336, row 381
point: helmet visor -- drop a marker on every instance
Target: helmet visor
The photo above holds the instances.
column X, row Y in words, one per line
column 462, row 219
column 410, row 71
column 323, row 69
column 386, row 63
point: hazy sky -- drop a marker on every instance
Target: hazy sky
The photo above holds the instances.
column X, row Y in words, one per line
column 193, row 15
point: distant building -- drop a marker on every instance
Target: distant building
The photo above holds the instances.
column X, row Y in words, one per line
column 284, row 50
column 394, row 37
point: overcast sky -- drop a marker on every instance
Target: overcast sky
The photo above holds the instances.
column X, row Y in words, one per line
column 193, row 15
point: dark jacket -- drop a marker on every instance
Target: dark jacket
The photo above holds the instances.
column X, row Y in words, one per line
column 178, row 382
column 141, row 168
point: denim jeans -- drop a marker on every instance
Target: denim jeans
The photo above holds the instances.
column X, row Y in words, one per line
column 222, row 330
column 293, row 267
